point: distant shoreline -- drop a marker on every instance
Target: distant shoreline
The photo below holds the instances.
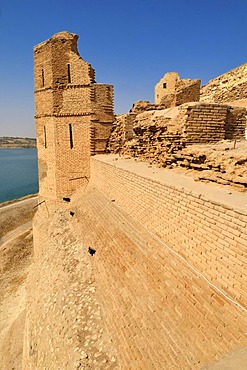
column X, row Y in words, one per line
column 17, row 200
column 7, row 142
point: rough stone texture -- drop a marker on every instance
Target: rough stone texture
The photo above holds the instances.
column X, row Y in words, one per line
column 171, row 91
column 73, row 115
column 159, row 135
column 229, row 87
column 223, row 163
column 64, row 327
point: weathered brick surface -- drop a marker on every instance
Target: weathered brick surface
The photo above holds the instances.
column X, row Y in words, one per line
column 160, row 313
column 208, row 235
column 155, row 134
column 73, row 115
column 171, row 91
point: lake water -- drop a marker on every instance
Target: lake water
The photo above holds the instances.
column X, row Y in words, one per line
column 18, row 173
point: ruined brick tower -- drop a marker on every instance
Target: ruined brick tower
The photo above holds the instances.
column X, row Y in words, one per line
column 74, row 115
column 171, row 91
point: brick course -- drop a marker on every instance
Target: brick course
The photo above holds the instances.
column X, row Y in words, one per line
column 208, row 234
column 73, row 115
column 161, row 314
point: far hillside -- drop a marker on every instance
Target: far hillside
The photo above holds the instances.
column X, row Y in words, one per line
column 17, row 142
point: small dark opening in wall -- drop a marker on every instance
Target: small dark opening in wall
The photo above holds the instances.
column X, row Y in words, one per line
column 45, row 142
column 72, row 213
column 69, row 75
column 66, row 199
column 164, row 85
column 43, row 78
column 91, row 251
column 71, row 136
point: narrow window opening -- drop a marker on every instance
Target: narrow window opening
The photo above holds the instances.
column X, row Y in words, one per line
column 164, row 85
column 69, row 75
column 43, row 78
column 45, row 142
column 71, row 136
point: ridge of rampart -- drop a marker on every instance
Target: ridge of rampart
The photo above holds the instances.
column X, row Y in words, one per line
column 229, row 87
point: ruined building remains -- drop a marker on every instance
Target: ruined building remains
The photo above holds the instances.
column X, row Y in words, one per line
column 171, row 91
column 74, row 115
column 166, row 285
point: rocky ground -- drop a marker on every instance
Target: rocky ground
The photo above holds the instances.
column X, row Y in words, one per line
column 224, row 163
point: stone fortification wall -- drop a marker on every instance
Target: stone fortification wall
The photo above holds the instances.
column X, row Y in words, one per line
column 155, row 244
column 171, row 91
column 236, row 124
column 210, row 235
column 165, row 287
column 229, row 87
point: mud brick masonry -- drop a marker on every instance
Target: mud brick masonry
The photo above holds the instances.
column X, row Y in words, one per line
column 73, row 115
column 170, row 264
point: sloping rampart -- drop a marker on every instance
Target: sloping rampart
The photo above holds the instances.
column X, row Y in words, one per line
column 228, row 87
column 169, row 264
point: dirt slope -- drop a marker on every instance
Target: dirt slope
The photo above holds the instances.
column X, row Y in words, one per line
column 16, row 250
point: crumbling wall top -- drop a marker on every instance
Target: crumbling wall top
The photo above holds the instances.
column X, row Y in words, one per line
column 63, row 35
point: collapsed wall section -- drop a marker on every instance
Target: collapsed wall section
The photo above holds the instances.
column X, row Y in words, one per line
column 154, row 134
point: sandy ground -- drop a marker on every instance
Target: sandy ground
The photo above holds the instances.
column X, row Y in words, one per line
column 16, row 249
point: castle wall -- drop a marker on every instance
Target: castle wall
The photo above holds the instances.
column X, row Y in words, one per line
column 102, row 118
column 187, row 91
column 156, row 245
column 165, row 86
column 165, row 287
column 236, row 123
column 209, row 234
column 64, row 328
column 204, row 123
column 45, row 134
column 229, row 87
column 72, row 153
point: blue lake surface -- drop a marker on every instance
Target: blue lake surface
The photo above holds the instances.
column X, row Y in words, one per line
column 18, row 173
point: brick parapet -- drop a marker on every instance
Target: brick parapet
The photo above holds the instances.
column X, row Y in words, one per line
column 209, row 234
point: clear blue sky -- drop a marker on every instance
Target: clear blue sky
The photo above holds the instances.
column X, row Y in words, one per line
column 130, row 43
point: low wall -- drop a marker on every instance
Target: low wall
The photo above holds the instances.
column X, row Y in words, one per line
column 209, row 234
